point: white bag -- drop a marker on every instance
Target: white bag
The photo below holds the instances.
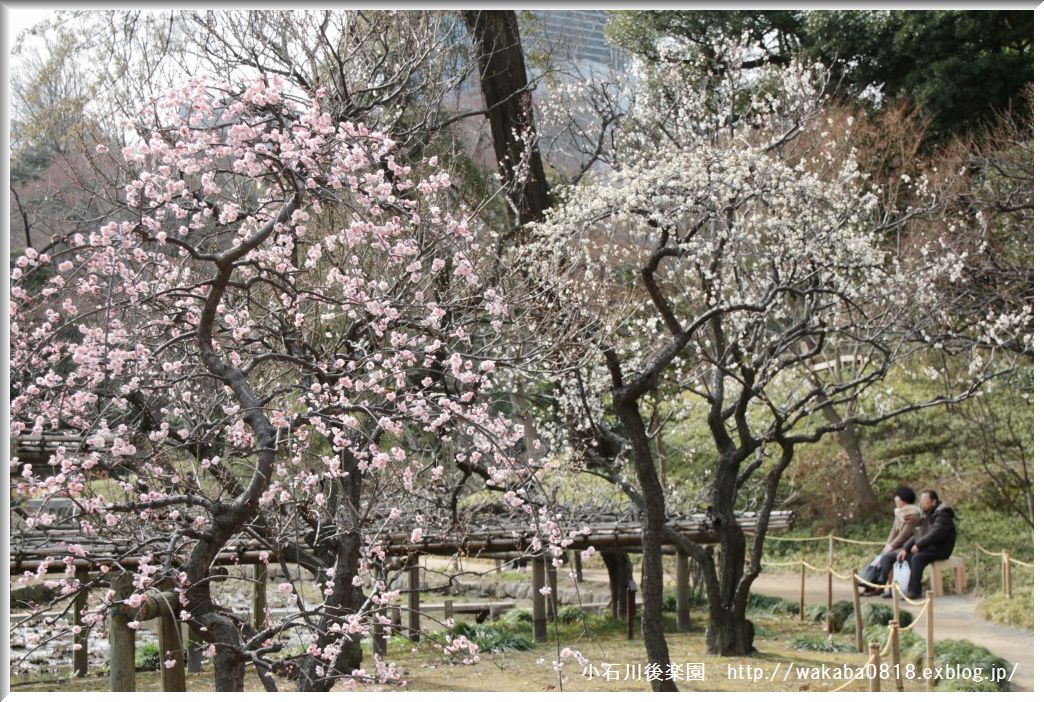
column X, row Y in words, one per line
column 877, row 561
column 901, row 575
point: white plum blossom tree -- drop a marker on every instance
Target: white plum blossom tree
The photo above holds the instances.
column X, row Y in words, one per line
column 730, row 256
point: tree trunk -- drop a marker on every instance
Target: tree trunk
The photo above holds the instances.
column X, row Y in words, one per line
column 509, row 108
column 860, row 483
column 653, row 517
column 620, row 574
column 316, row 675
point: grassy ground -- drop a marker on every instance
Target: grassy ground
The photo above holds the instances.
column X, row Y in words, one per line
column 600, row 640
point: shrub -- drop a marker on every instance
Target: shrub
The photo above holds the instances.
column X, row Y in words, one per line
column 516, row 619
column 491, row 638
column 1017, row 611
column 840, row 612
column 147, row 657
column 570, row 614
column 911, row 644
column 815, row 642
column 969, row 655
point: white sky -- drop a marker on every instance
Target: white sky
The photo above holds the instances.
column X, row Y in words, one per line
column 22, row 18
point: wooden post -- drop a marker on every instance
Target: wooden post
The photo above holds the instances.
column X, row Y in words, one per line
column 195, row 650
column 260, row 594
column 171, row 646
column 396, row 619
column 895, row 601
column 578, row 566
column 682, row 577
column 976, row 570
column 414, row 630
column 801, row 611
column 929, row 639
column 1006, row 563
column 830, row 601
column 631, row 606
column 858, row 612
column 875, row 662
column 447, row 610
column 121, row 652
column 80, row 639
column 121, row 639
column 539, row 601
column 896, row 663
column 380, row 640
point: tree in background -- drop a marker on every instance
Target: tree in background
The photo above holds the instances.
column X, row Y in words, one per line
column 959, row 67
column 728, row 256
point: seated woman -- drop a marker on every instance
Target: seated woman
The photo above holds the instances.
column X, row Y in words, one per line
column 908, row 517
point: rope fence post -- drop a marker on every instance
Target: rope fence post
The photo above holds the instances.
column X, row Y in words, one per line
column 171, row 649
column 894, row 645
column 858, row 610
column 1006, row 565
column 801, row 612
column 875, row 661
column 976, row 569
column 121, row 641
column 895, row 601
column 632, row 589
column 929, row 640
column 830, row 599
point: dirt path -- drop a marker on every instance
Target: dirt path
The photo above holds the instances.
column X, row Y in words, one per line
column 955, row 618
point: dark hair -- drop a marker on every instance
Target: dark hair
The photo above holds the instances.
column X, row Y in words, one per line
column 932, row 494
column 906, row 494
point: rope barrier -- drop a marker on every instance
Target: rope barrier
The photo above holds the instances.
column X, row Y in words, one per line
column 989, row 553
column 796, row 538
column 908, row 600
column 1021, row 563
column 854, row 541
column 916, row 619
column 781, row 565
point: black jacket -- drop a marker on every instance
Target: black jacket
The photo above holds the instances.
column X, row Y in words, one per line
column 940, row 532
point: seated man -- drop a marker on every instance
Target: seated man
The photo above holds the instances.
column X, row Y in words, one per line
column 907, row 518
column 934, row 543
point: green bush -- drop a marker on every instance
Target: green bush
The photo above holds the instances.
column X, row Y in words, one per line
column 840, row 612
column 1017, row 611
column 816, row 613
column 570, row 614
column 772, row 605
column 147, row 657
column 816, row 642
column 969, row 655
column 911, row 644
column 491, row 638
column 517, row 619
column 875, row 614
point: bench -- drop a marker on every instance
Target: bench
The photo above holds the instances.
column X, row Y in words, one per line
column 959, row 572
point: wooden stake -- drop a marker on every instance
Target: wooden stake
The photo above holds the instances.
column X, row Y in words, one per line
column 1007, row 574
column 895, row 601
column 929, row 639
column 447, row 610
column 894, row 632
column 830, row 601
column 875, row 662
column 801, row 611
column 858, row 613
column 578, row 566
